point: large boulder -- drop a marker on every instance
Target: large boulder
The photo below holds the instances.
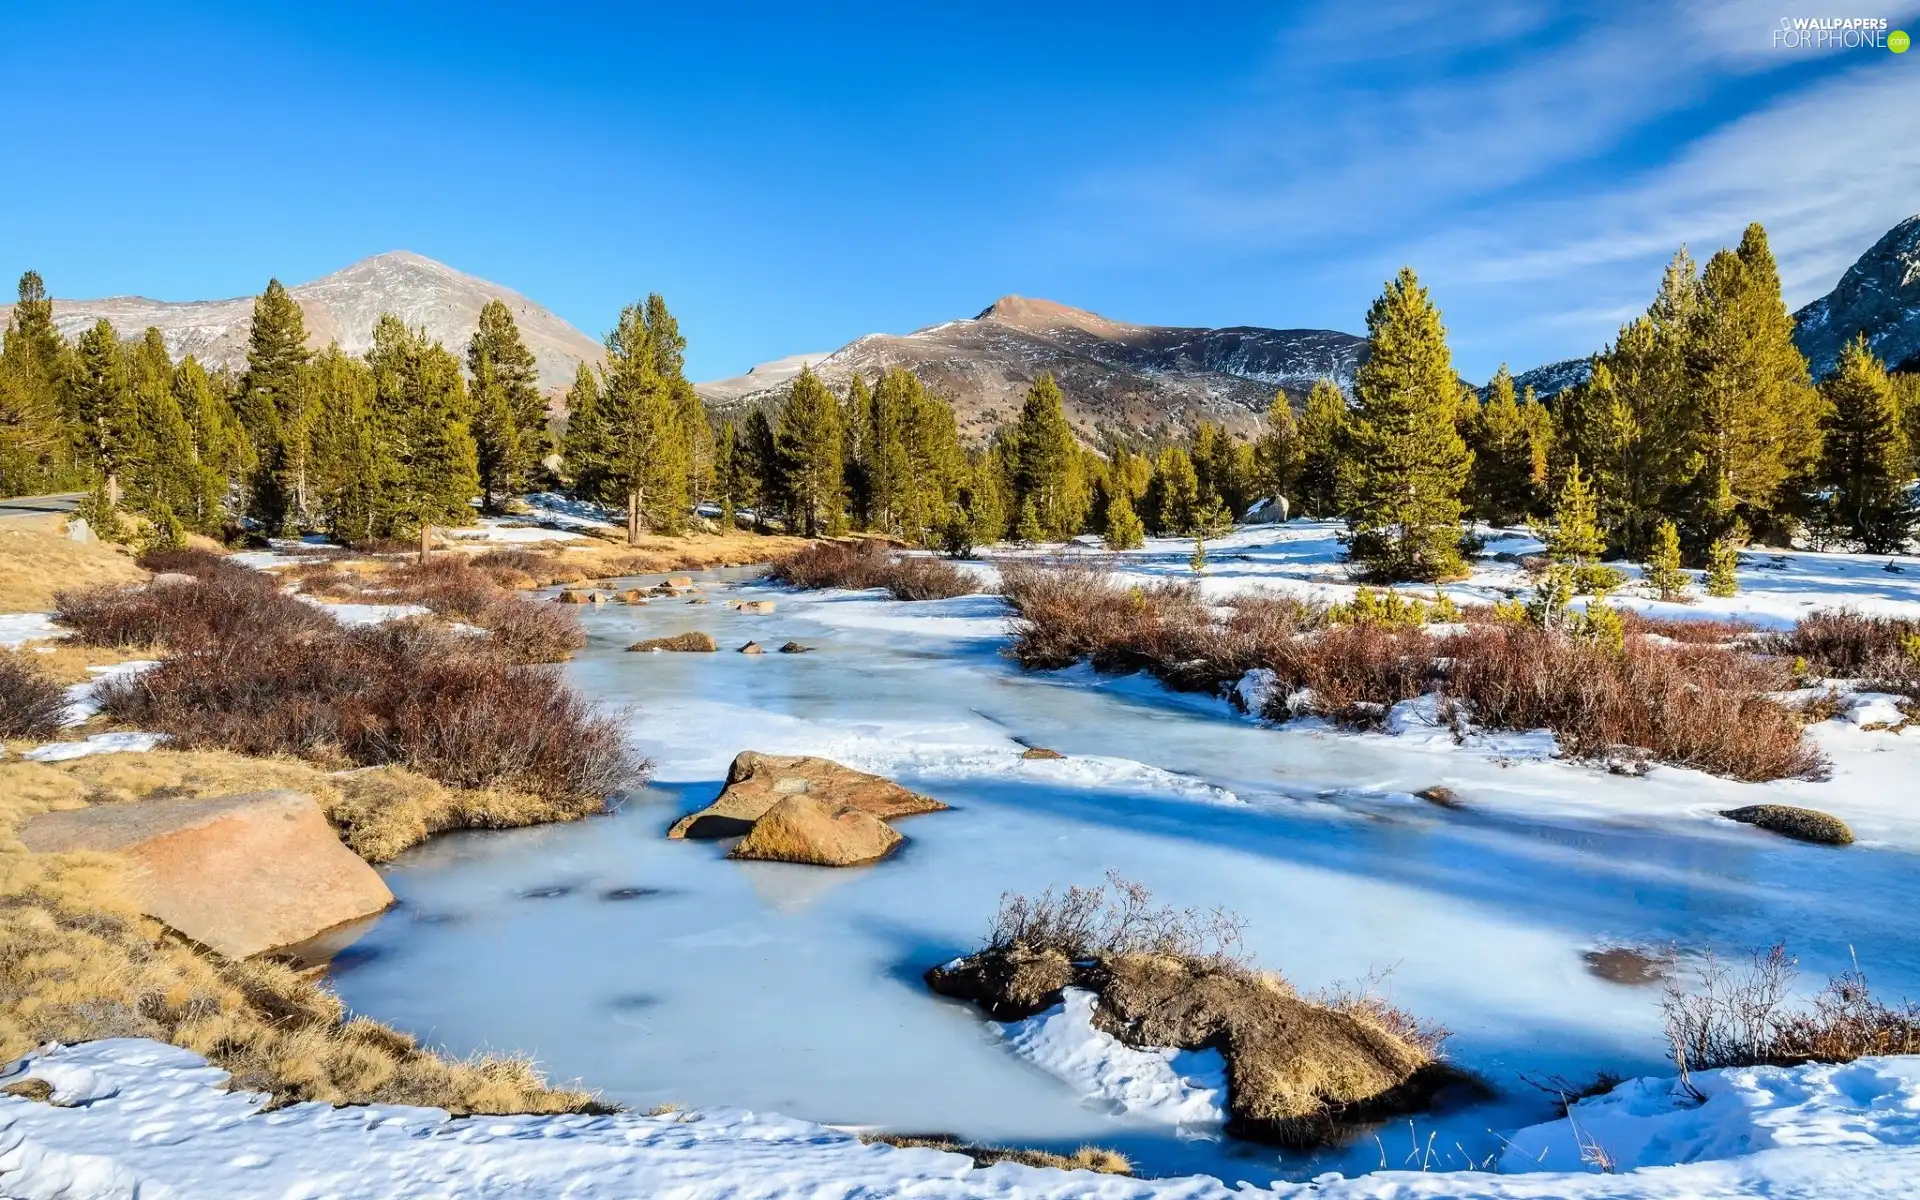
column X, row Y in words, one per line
column 801, row 829
column 238, row 874
column 756, row 782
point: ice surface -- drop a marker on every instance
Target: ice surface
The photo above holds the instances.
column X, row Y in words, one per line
column 662, row 971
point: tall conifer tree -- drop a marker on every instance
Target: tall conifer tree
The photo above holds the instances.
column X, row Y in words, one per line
column 809, row 444
column 1047, row 463
column 1865, row 466
column 105, row 404
column 1324, row 461
column 425, row 442
column 645, row 448
column 38, row 435
column 510, row 418
column 1505, row 455
column 1280, row 452
column 273, row 408
column 1409, row 460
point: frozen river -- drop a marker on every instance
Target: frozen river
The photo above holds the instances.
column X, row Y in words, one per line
column 661, row 972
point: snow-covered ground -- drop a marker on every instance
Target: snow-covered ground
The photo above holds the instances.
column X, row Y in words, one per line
column 136, row 1120
column 1777, row 587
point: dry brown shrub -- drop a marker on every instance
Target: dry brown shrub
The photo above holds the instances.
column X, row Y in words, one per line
column 403, row 693
column 32, row 705
column 1717, row 1016
column 1882, row 652
column 1702, row 633
column 1692, row 706
column 872, row 563
column 226, row 603
column 1697, row 704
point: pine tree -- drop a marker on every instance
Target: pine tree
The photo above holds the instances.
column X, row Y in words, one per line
column 1505, row 455
column 1280, row 452
column 984, row 498
column 1410, row 462
column 586, row 442
column 1028, row 528
column 1758, row 416
column 1047, row 463
column 758, row 456
column 107, row 408
column 1574, row 537
column 165, row 475
column 1633, row 423
column 1124, row 529
column 221, row 450
column 808, row 439
column 1324, row 438
column 422, row 430
column 1173, row 502
column 914, row 465
column 1723, row 559
column 350, row 463
column 1866, row 464
column 1906, row 391
column 1662, row 572
column 645, row 448
column 37, row 436
column 856, row 434
column 697, row 428
column 273, row 408
column 724, row 476
column 509, row 416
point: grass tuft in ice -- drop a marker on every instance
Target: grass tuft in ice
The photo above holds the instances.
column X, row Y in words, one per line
column 1718, row 1015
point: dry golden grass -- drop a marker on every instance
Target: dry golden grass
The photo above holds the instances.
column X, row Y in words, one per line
column 78, row 962
column 577, row 562
column 379, row 811
column 66, row 661
column 1086, row 1158
column 37, row 560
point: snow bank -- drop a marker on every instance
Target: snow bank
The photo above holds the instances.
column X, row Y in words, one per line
column 1176, row 1087
column 17, row 629
column 135, row 1118
column 124, row 742
column 367, row 614
column 1653, row 1123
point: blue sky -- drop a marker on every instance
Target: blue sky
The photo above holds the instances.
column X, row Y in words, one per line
column 791, row 176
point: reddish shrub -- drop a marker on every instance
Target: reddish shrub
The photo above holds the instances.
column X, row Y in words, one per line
column 1693, row 705
column 873, row 564
column 226, row 603
column 31, row 705
column 1882, row 652
column 403, row 693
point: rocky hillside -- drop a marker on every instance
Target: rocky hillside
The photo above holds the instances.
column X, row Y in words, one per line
column 1115, row 375
column 343, row 307
column 1879, row 294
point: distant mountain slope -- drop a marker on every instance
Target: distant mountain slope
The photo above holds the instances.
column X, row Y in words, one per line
column 1114, row 374
column 1553, row 378
column 1879, row 294
column 343, row 307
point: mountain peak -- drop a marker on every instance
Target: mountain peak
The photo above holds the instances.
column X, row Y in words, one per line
column 1029, row 313
column 1879, row 295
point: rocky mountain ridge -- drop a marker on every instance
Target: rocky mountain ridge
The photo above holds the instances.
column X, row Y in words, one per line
column 1115, row 375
